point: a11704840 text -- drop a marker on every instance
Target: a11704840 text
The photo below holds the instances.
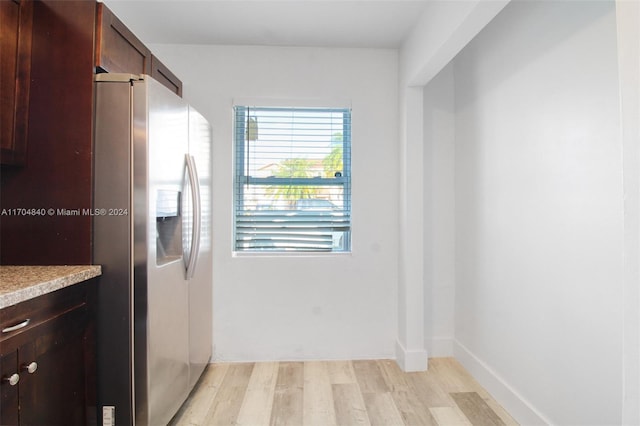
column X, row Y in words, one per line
column 43, row 211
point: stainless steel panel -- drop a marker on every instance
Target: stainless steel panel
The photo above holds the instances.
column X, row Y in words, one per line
column 200, row 285
column 161, row 319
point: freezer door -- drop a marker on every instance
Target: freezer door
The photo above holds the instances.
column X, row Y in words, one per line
column 161, row 297
column 200, row 284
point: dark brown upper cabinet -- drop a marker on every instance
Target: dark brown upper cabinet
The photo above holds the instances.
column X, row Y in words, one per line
column 57, row 173
column 16, row 24
column 119, row 50
column 161, row 73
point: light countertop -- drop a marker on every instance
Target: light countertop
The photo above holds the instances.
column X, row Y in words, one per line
column 20, row 283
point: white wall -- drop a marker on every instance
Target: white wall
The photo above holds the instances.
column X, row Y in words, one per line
column 539, row 211
column 628, row 19
column 439, row 218
column 322, row 307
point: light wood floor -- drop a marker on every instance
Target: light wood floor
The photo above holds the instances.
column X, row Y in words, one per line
column 339, row 393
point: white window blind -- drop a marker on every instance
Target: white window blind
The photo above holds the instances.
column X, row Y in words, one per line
column 292, row 179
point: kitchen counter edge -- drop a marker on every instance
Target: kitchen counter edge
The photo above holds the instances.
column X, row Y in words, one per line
column 21, row 283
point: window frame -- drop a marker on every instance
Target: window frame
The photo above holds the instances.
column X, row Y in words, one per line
column 242, row 178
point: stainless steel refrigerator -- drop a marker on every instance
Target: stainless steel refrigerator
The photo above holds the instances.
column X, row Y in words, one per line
column 152, row 236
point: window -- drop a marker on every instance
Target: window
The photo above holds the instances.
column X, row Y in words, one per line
column 292, row 189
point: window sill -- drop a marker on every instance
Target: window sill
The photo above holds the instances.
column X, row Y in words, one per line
column 284, row 254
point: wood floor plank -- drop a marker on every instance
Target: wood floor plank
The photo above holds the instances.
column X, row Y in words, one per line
column 318, row 407
column 466, row 383
column 392, row 375
column 195, row 408
column 341, row 372
column 349, row 405
column 369, row 377
column 258, row 399
column 228, row 400
column 382, row 410
column 288, row 398
column 449, row 377
column 476, row 409
column 339, row 393
column 500, row 411
column 411, row 409
column 449, row 416
column 427, row 389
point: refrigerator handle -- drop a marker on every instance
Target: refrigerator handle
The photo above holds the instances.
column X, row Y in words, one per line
column 195, row 194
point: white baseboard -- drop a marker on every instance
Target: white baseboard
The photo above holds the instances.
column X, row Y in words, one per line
column 411, row 360
column 519, row 408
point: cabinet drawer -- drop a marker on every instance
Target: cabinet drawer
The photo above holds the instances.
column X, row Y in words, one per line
column 18, row 319
column 117, row 48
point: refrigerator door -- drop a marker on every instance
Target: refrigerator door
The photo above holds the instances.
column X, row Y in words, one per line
column 161, row 296
column 200, row 284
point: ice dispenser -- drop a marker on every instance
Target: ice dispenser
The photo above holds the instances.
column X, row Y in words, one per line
column 168, row 227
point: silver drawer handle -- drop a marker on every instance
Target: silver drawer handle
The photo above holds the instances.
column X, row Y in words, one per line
column 17, row 326
column 13, row 379
column 30, row 368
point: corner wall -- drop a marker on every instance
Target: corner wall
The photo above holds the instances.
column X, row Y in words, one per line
column 539, row 212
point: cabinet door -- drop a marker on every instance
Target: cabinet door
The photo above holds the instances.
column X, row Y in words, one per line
column 16, row 22
column 55, row 393
column 57, row 173
column 163, row 75
column 117, row 48
column 8, row 391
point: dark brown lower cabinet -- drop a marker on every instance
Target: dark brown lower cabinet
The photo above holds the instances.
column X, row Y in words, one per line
column 48, row 366
column 9, row 396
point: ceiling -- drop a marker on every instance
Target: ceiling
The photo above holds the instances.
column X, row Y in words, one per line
column 330, row 23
